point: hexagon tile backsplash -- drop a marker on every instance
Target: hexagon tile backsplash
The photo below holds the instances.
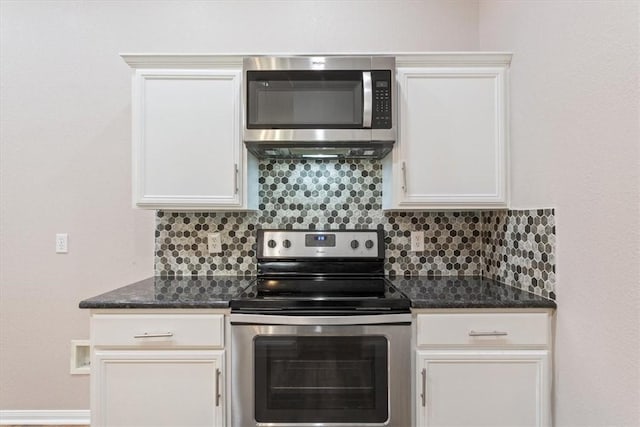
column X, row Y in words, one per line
column 325, row 195
column 518, row 248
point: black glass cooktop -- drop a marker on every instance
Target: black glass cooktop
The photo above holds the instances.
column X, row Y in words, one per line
column 314, row 287
column 320, row 295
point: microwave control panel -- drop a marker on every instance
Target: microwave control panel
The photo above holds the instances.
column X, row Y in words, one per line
column 381, row 87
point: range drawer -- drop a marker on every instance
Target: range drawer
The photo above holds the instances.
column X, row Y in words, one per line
column 158, row 330
column 483, row 329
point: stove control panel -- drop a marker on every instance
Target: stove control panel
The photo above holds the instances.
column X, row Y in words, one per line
column 320, row 244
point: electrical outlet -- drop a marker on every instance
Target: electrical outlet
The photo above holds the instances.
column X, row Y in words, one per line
column 215, row 243
column 417, row 241
column 62, row 243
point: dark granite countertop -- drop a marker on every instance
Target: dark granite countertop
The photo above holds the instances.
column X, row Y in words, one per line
column 217, row 292
column 172, row 292
column 466, row 292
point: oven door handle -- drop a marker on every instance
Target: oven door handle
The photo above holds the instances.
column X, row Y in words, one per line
column 268, row 319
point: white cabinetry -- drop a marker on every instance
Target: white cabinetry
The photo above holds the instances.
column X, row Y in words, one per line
column 187, row 147
column 452, row 148
column 157, row 370
column 483, row 369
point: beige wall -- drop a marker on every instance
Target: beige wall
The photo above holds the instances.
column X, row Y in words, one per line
column 575, row 146
column 65, row 153
column 65, row 161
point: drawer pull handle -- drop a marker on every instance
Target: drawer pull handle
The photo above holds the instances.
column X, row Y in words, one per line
column 487, row 334
column 148, row 335
column 217, row 387
column 424, row 387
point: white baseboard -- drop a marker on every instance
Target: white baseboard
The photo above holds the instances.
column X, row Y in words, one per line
column 54, row 417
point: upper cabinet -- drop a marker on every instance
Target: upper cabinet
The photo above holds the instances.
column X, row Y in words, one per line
column 451, row 152
column 452, row 148
column 187, row 147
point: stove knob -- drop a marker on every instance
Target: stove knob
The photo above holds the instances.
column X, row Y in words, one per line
column 286, row 243
column 354, row 244
column 368, row 244
column 271, row 243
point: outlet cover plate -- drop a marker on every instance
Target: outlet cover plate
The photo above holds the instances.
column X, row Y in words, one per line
column 417, row 241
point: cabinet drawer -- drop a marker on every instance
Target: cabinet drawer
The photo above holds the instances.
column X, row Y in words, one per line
column 483, row 329
column 157, row 330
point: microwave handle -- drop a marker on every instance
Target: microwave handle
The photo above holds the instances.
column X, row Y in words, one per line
column 367, row 105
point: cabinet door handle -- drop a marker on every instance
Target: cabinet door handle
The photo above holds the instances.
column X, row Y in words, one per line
column 404, row 177
column 148, row 335
column 487, row 333
column 235, row 178
column 424, row 387
column 218, row 387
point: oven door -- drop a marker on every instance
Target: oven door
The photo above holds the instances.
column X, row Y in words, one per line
column 333, row 371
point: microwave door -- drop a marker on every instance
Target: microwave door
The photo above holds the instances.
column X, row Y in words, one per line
column 308, row 99
column 367, row 101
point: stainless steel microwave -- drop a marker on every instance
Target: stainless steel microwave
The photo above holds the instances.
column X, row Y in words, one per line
column 318, row 107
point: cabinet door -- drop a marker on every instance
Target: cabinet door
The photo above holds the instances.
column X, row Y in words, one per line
column 157, row 388
column 452, row 149
column 186, row 139
column 482, row 388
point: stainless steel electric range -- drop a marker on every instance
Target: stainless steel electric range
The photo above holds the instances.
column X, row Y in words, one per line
column 321, row 337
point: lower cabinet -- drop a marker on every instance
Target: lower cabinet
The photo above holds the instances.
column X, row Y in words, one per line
column 472, row 368
column 483, row 369
column 159, row 388
column 482, row 388
column 154, row 370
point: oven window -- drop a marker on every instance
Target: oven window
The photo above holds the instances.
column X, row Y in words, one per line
column 331, row 379
column 304, row 99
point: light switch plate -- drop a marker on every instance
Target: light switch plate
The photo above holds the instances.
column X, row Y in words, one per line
column 417, row 241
